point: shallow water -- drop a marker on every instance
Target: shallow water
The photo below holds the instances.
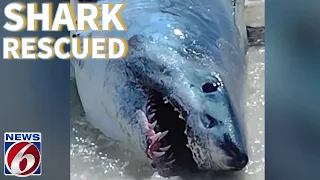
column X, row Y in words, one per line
column 95, row 157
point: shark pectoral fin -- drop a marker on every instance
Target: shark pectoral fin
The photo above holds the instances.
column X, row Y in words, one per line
column 255, row 35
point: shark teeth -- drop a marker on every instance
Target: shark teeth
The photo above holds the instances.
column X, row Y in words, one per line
column 153, row 125
column 170, row 162
column 170, row 156
column 158, row 148
column 165, row 148
column 185, row 130
column 166, row 101
column 152, row 110
column 150, row 116
column 155, row 143
column 158, row 136
column 158, row 154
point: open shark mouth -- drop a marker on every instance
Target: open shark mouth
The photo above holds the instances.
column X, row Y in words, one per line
column 167, row 139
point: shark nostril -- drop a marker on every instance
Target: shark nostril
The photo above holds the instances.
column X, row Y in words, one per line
column 210, row 122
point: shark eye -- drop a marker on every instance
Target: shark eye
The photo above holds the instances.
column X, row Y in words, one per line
column 210, row 87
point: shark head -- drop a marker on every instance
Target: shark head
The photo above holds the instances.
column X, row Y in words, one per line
column 185, row 112
column 178, row 101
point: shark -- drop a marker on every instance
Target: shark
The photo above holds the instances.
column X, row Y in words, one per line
column 176, row 98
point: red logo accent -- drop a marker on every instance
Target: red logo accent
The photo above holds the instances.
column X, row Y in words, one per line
column 22, row 159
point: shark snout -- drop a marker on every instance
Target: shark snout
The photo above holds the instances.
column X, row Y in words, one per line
column 238, row 155
column 239, row 161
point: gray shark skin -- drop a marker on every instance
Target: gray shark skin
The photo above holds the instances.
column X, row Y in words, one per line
column 176, row 99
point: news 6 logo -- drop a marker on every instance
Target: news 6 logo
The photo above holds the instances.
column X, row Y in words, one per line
column 22, row 154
